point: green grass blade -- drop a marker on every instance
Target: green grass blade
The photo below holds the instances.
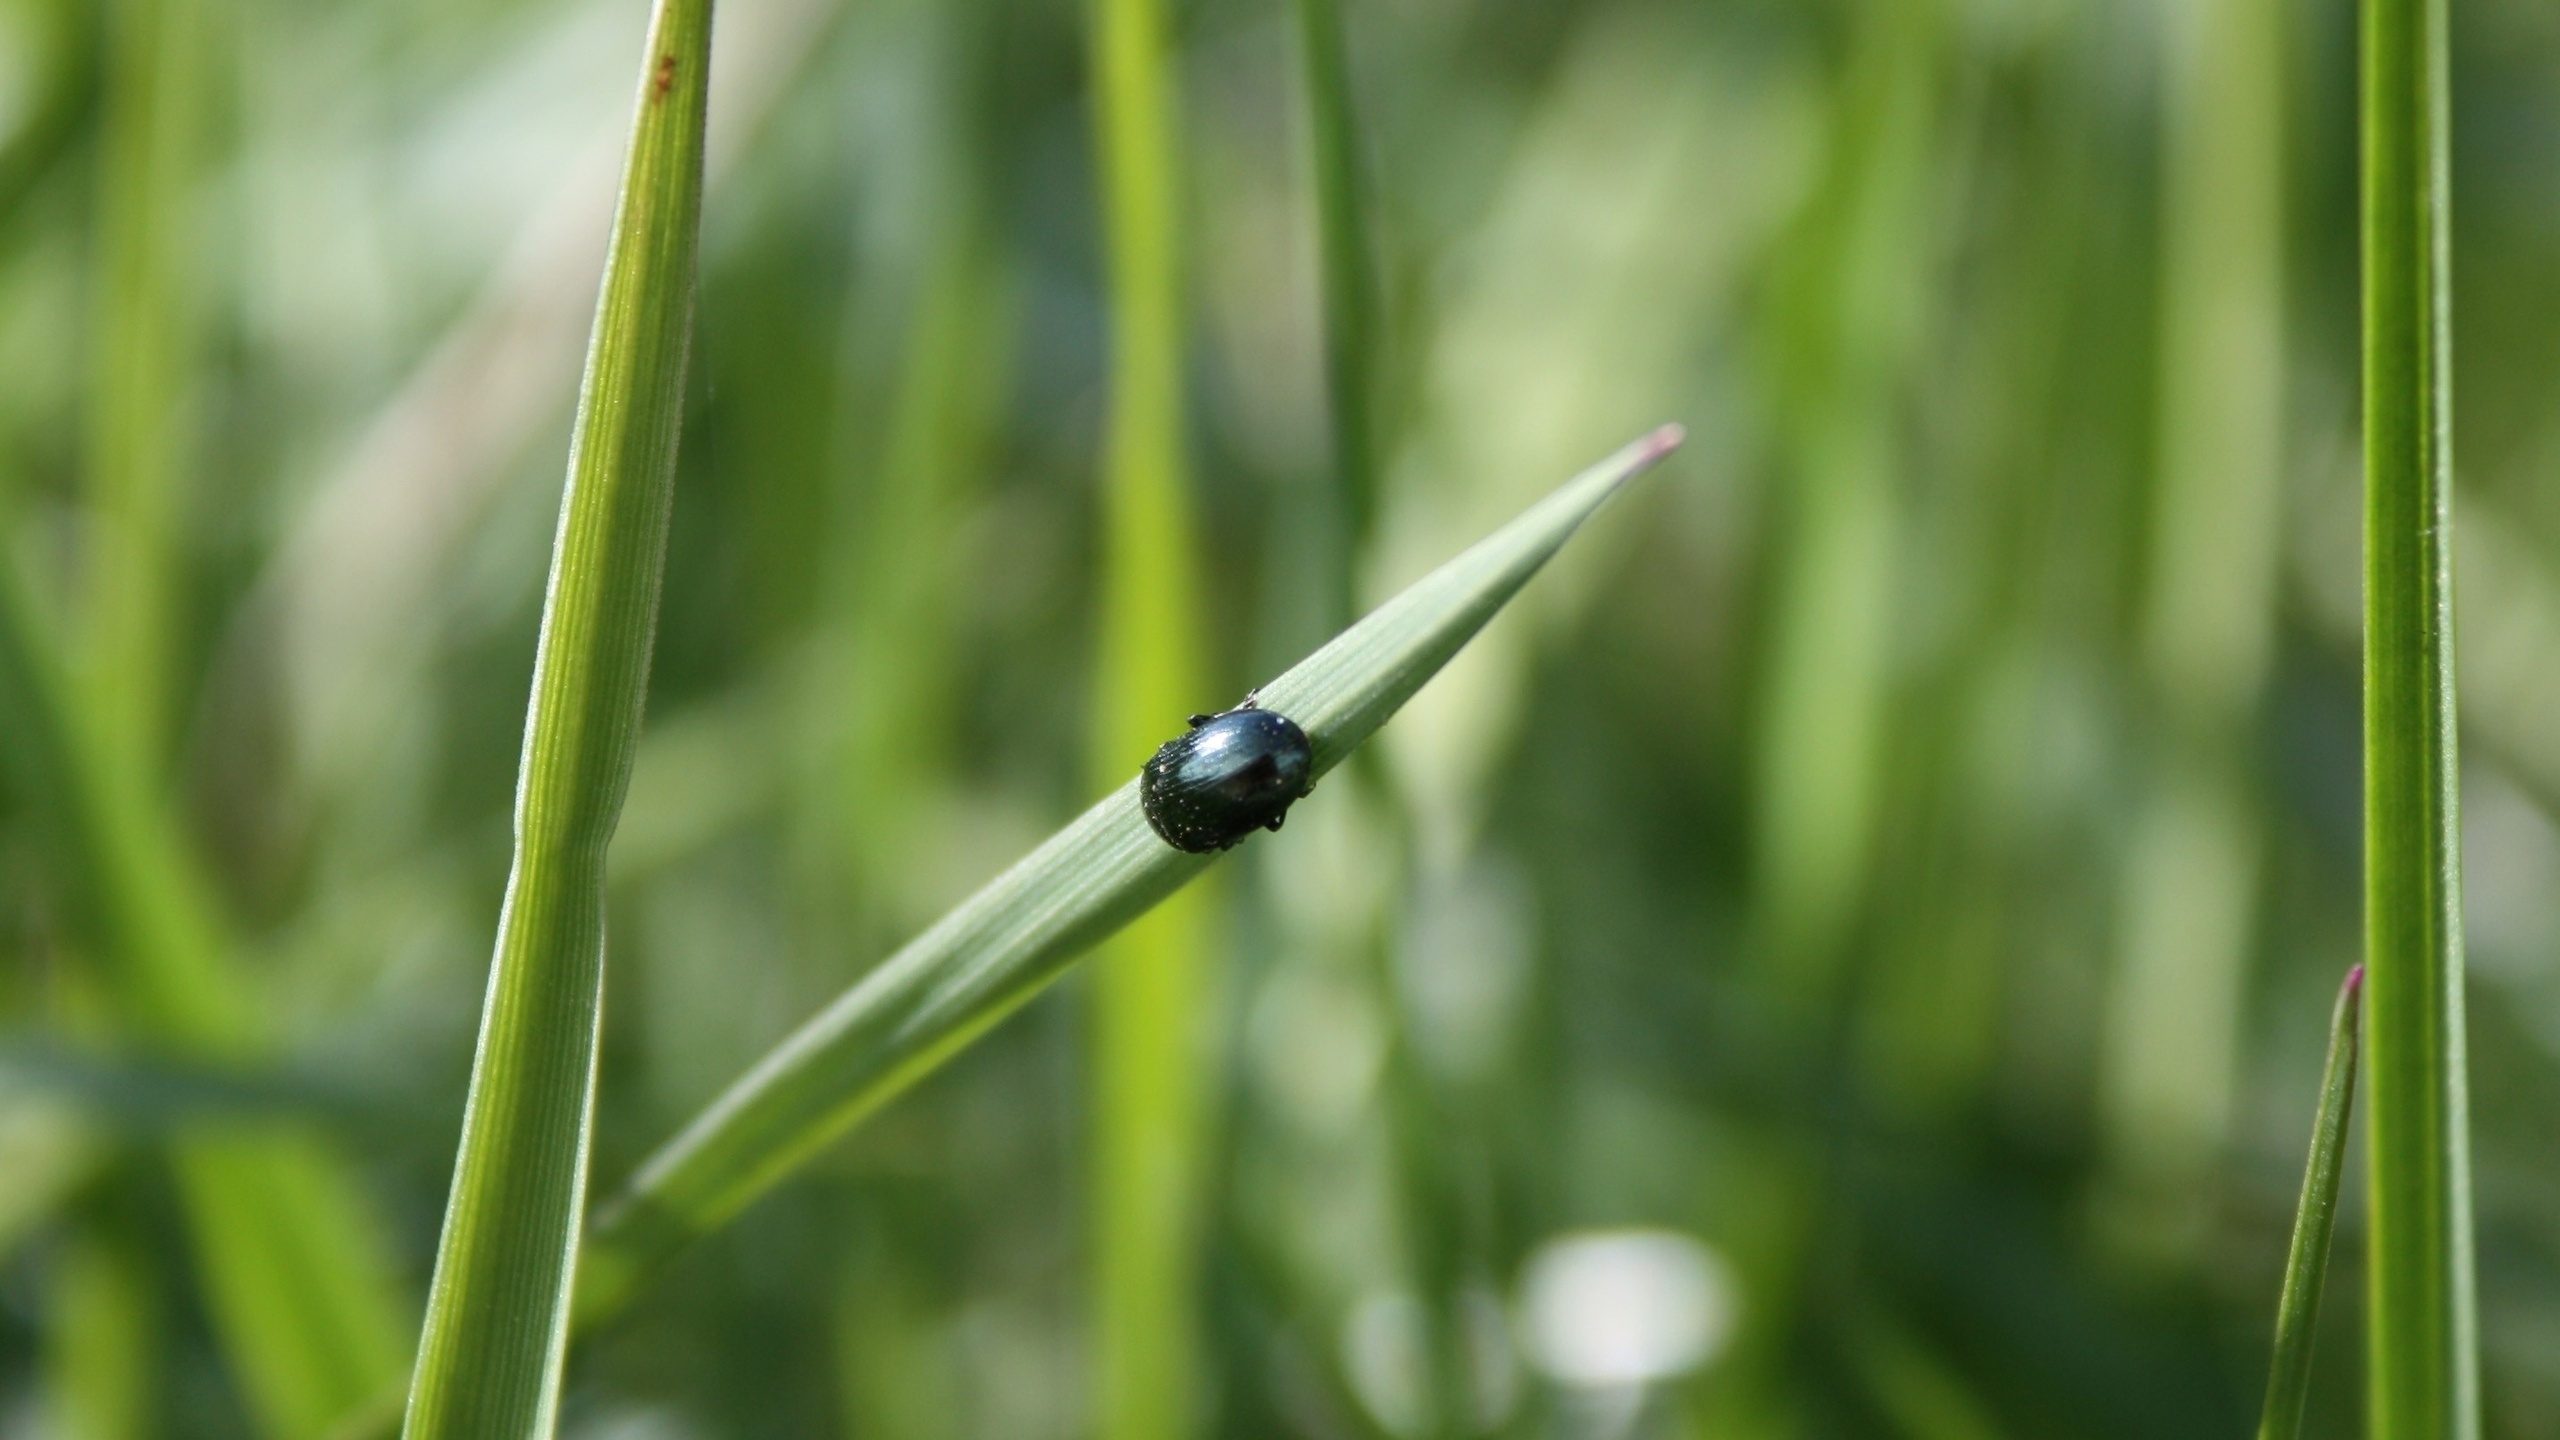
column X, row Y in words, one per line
column 2423, row 1366
column 885, row 709
column 2306, row 1264
column 1347, row 272
column 156, row 53
column 497, row 1317
column 2191, row 878
column 103, row 1353
column 1147, row 983
column 1001, row 946
column 52, row 124
column 294, row 1276
column 1848, row 296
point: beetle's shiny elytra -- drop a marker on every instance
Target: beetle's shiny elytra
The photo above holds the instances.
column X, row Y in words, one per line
column 1231, row 775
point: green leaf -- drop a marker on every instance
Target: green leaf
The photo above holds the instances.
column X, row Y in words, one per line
column 2423, row 1364
column 2306, row 1264
column 1000, row 947
column 497, row 1318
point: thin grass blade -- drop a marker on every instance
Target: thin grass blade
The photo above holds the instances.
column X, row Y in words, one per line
column 1148, row 982
column 497, row 1317
column 1348, row 275
column 2423, row 1364
column 2306, row 1264
column 138, row 422
column 999, row 948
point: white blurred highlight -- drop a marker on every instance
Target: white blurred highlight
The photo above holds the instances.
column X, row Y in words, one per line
column 1620, row 1309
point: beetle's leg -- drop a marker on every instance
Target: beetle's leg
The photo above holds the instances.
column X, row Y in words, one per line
column 1252, row 699
column 1199, row 720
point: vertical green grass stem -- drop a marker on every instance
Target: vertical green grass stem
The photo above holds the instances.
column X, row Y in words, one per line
column 1845, row 307
column 2306, row 1263
column 155, row 56
column 1348, row 282
column 497, row 1317
column 1146, row 996
column 2422, row 1362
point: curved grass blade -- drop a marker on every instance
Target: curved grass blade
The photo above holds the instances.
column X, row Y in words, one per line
column 2422, row 1340
column 497, row 1317
column 2306, row 1263
column 999, row 948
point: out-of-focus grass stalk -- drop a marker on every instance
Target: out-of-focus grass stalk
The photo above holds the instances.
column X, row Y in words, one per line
column 2422, row 1362
column 1433, row 1237
column 498, row 1315
column 1347, row 271
column 67, row 89
column 2189, row 900
column 103, row 1363
column 2306, row 1263
column 1913, row 1386
column 143, row 326
column 292, row 1272
column 888, row 715
column 1845, row 312
column 1148, row 1012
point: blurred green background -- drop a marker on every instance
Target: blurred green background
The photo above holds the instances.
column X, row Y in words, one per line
column 1848, row 956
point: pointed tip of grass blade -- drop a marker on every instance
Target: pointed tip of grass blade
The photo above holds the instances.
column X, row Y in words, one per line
column 2306, row 1265
column 1342, row 693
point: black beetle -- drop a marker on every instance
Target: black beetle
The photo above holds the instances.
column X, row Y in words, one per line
column 1231, row 775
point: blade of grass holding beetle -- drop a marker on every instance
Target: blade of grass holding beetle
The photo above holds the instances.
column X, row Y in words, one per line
column 1003, row 945
column 2306, row 1263
column 293, row 1270
column 497, row 1317
column 2423, row 1366
column 1148, row 1073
